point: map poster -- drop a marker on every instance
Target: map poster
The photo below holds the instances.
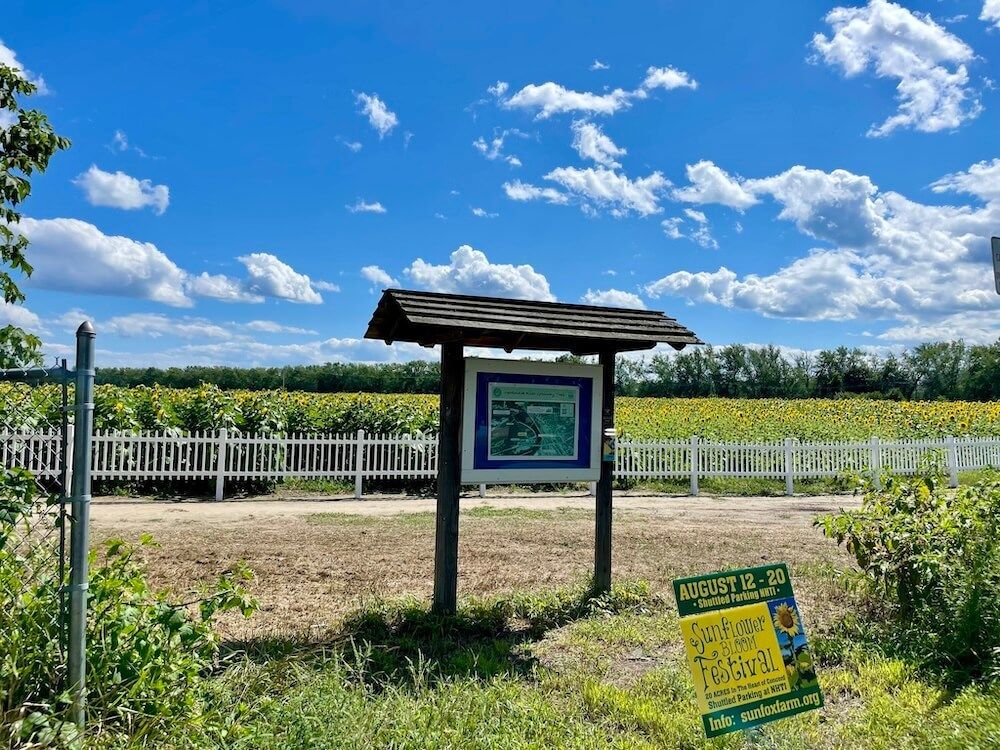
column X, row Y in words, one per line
column 525, row 421
column 746, row 647
column 533, row 420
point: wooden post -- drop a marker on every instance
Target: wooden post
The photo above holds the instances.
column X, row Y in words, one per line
column 221, row 457
column 602, row 526
column 449, row 479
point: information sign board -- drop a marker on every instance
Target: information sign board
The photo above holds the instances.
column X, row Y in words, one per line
column 530, row 421
column 746, row 647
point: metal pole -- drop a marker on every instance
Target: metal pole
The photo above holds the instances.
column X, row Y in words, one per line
column 83, row 406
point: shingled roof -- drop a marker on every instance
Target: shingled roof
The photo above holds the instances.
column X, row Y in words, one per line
column 430, row 318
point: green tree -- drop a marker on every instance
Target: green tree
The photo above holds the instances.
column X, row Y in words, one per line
column 26, row 145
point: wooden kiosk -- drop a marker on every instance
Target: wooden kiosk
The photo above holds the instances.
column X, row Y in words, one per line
column 455, row 321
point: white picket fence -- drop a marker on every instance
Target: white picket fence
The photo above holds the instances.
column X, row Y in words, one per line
column 223, row 455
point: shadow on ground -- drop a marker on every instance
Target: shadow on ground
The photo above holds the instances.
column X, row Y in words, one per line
column 398, row 641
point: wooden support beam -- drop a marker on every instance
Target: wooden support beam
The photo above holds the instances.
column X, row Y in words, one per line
column 602, row 526
column 449, row 479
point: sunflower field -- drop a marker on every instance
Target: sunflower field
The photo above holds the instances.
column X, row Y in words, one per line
column 721, row 419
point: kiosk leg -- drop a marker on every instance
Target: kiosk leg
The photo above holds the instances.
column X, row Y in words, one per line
column 449, row 480
column 602, row 535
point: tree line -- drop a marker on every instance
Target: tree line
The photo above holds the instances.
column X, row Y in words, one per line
column 950, row 370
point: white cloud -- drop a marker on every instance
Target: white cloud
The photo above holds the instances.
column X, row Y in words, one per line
column 155, row 325
column 981, row 180
column 354, row 146
column 551, row 98
column 991, row 12
column 710, row 184
column 20, row 317
column 470, row 272
column 598, row 65
column 591, row 143
column 120, row 143
column 361, row 207
column 604, row 188
column 613, row 298
column 379, row 276
column 973, row 328
column 522, row 191
column 9, row 58
column 74, row 256
column 493, row 149
column 379, row 115
column 271, row 277
column 482, row 213
column 270, row 326
column 675, row 227
column 325, row 286
column 927, row 60
column 667, row 78
column 893, row 259
column 220, row 287
column 119, row 190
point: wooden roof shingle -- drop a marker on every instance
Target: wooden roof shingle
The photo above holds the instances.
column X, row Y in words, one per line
column 430, row 318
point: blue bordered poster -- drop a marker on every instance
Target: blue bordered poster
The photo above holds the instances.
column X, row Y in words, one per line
column 530, row 421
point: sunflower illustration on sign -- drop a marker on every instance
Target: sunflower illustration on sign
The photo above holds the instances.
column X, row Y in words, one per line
column 792, row 641
column 786, row 620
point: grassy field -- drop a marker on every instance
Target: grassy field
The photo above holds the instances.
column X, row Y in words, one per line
column 344, row 653
column 208, row 408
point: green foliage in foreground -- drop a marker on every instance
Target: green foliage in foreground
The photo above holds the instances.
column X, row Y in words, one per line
column 930, row 560
column 147, row 657
column 551, row 670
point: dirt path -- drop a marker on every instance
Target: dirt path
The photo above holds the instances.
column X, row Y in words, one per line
column 774, row 511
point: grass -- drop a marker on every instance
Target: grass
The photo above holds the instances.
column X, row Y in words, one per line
column 520, row 672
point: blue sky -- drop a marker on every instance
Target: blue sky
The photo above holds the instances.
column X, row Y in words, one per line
column 245, row 177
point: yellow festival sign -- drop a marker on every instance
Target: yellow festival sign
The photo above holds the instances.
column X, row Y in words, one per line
column 746, row 647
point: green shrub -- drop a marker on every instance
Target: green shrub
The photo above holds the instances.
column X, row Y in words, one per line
column 147, row 658
column 931, row 558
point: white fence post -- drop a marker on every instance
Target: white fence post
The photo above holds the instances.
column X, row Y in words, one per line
column 789, row 468
column 220, row 463
column 952, row 460
column 876, row 462
column 68, row 478
column 359, row 463
column 694, row 465
column 482, row 490
column 593, row 489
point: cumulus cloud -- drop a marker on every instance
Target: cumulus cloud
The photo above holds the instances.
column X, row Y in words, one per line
column 493, row 149
column 20, row 317
column 482, row 213
column 598, row 65
column 599, row 187
column 379, row 115
column 221, row 287
column 156, row 325
column 523, row 191
column 379, row 276
column 927, row 60
column 710, row 184
column 119, row 190
column 591, row 143
column 894, row 259
column 613, row 298
column 694, row 228
column 9, row 58
column 469, row 271
column 550, row 98
column 270, row 326
column 360, row 206
column 271, row 277
column 354, row 146
column 991, row 12
column 667, row 78
column 74, row 256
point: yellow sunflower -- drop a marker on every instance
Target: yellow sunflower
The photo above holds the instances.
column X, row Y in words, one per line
column 786, row 620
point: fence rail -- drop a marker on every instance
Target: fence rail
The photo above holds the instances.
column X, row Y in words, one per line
column 226, row 456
